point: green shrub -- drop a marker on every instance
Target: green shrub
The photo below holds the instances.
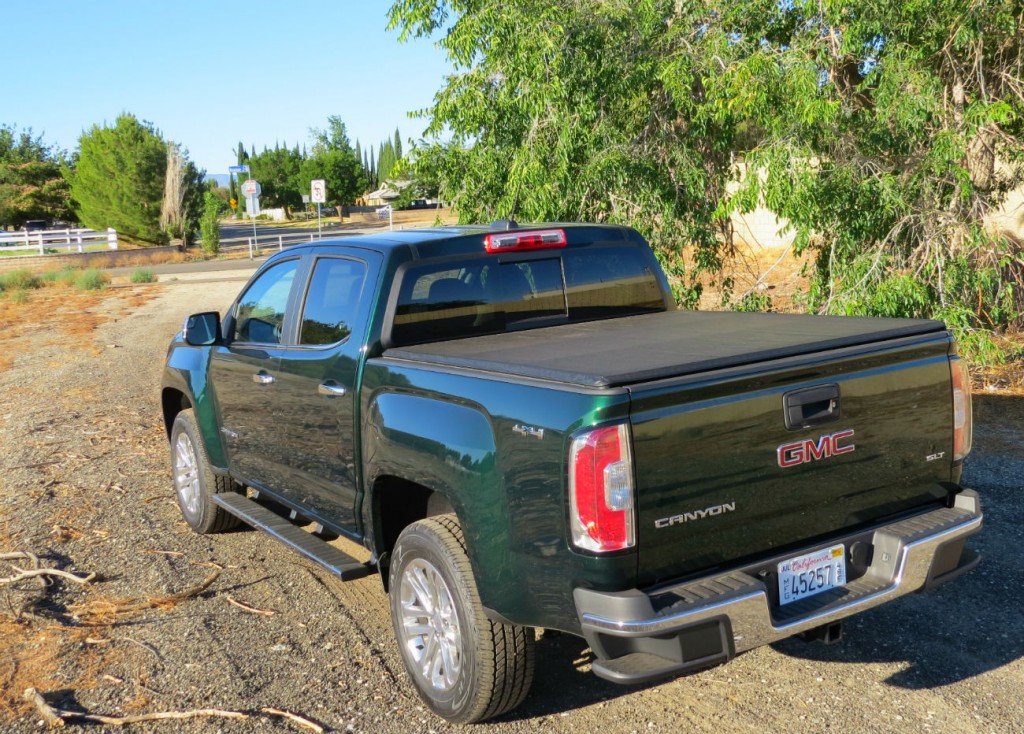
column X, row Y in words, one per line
column 143, row 275
column 19, row 295
column 209, row 225
column 65, row 276
column 18, row 280
column 91, row 280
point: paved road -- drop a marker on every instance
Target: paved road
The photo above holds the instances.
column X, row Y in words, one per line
column 235, row 236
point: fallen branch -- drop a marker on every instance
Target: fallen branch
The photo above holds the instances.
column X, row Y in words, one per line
column 247, row 608
column 294, row 717
column 55, row 717
column 37, row 571
column 104, row 608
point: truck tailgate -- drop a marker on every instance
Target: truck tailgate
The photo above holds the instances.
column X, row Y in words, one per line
column 721, row 477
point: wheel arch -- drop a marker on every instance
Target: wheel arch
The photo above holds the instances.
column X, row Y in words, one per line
column 185, row 385
column 395, row 504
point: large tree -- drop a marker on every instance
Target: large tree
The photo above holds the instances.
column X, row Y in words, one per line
column 582, row 111
column 277, row 170
column 882, row 131
column 334, row 160
column 118, row 178
column 31, row 185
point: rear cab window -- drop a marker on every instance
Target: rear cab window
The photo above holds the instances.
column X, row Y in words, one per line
column 473, row 295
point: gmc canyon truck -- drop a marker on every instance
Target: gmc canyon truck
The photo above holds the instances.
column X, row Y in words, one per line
column 524, row 432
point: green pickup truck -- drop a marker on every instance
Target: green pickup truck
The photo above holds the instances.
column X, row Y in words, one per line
column 524, row 432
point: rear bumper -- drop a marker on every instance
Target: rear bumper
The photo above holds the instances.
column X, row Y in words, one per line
column 638, row 636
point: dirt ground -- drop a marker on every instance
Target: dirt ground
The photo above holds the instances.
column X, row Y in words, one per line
column 85, row 485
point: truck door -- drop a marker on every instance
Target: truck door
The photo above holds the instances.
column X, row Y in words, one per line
column 317, row 379
column 243, row 374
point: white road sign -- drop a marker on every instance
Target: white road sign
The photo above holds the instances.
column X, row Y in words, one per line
column 251, row 187
column 318, row 189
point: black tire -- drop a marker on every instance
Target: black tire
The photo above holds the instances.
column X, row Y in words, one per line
column 494, row 667
column 194, row 480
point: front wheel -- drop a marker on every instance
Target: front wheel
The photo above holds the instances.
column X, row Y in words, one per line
column 195, row 482
column 465, row 667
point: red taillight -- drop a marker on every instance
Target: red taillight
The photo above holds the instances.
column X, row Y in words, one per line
column 601, row 490
column 963, row 428
column 538, row 239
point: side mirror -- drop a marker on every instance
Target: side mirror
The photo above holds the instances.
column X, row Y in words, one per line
column 202, row 329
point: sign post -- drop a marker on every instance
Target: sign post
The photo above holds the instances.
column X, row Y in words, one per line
column 232, row 170
column 251, row 190
column 318, row 195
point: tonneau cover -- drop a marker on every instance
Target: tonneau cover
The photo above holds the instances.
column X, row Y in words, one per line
column 635, row 349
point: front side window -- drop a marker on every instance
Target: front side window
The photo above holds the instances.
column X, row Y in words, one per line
column 260, row 313
column 332, row 301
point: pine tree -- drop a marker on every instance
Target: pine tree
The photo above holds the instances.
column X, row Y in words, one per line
column 398, row 145
column 119, row 179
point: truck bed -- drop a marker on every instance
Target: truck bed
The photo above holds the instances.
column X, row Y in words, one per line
column 623, row 351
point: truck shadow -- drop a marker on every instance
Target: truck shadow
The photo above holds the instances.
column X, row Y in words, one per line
column 975, row 623
column 563, row 681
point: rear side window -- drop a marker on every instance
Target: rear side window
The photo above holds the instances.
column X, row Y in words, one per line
column 331, row 301
column 260, row 313
column 488, row 294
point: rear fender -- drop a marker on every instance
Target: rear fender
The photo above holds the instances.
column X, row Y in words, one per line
column 449, row 448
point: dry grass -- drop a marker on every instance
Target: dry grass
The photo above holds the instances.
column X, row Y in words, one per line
column 65, row 315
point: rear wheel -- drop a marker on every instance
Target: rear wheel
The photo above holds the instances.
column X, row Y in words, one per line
column 194, row 480
column 464, row 666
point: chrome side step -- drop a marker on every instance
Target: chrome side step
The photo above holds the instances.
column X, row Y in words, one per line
column 252, row 513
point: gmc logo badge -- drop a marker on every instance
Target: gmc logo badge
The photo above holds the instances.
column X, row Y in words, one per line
column 801, row 452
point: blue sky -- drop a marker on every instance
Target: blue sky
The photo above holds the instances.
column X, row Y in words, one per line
column 211, row 74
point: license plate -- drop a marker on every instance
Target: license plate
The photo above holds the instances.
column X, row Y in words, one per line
column 811, row 573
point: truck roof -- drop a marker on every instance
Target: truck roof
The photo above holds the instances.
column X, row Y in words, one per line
column 431, row 241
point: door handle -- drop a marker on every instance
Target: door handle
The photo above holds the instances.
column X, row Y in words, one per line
column 262, row 378
column 331, row 391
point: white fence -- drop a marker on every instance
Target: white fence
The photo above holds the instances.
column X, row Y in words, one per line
column 69, row 240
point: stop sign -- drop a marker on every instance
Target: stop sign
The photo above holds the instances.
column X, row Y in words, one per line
column 251, row 187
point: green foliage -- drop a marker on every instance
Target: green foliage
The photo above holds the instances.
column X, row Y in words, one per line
column 193, row 200
column 143, row 275
column 881, row 131
column 561, row 111
column 285, row 173
column 91, row 279
column 334, row 160
column 754, row 302
column 209, row 224
column 18, row 280
column 277, row 170
column 31, row 185
column 65, row 276
column 118, row 179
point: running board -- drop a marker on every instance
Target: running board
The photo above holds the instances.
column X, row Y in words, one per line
column 252, row 513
